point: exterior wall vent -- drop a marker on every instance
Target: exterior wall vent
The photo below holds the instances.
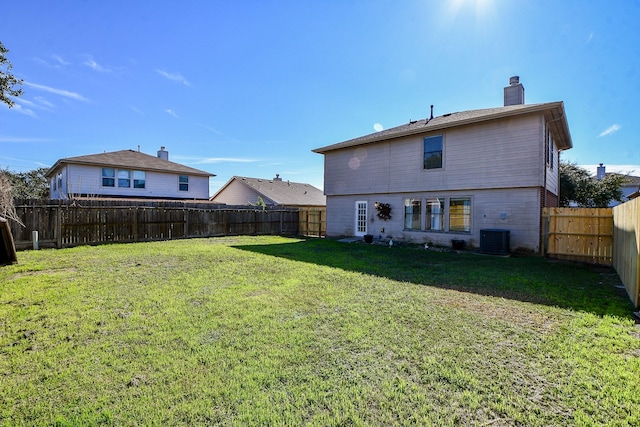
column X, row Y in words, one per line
column 494, row 241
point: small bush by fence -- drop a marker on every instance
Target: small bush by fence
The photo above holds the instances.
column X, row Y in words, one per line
column 71, row 223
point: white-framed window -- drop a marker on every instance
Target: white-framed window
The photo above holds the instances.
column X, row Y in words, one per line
column 183, row 183
column 108, row 177
column 460, row 214
column 433, row 216
column 139, row 179
column 412, row 214
column 124, row 178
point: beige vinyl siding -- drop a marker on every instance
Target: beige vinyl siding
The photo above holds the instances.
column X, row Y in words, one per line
column 237, row 193
column 516, row 210
column 497, row 154
column 87, row 180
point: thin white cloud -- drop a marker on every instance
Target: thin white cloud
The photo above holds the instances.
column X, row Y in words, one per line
column 44, row 102
column 91, row 63
column 58, row 62
column 23, row 110
column 176, row 77
column 610, row 130
column 590, row 37
column 137, row 110
column 215, row 160
column 209, row 128
column 14, row 139
column 614, row 168
column 170, row 112
column 61, row 92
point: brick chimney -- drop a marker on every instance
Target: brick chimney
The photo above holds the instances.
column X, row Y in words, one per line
column 514, row 93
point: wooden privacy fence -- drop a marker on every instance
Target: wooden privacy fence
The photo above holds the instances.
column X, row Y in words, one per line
column 626, row 249
column 312, row 222
column 579, row 234
column 64, row 224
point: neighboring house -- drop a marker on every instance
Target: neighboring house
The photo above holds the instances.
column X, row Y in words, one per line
column 241, row 190
column 448, row 177
column 126, row 173
column 630, row 188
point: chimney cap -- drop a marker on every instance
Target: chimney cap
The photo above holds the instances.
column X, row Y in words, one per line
column 514, row 80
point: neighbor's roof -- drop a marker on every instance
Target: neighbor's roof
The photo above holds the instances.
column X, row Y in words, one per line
column 280, row 191
column 553, row 111
column 129, row 159
column 630, row 180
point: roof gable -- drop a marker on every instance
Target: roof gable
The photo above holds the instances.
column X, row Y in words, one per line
column 280, row 192
column 129, row 159
column 553, row 111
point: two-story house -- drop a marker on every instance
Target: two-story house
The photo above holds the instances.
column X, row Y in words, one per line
column 451, row 176
column 128, row 174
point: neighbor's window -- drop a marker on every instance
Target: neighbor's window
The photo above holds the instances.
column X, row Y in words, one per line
column 435, row 214
column 183, row 183
column 139, row 179
column 108, row 177
column 124, row 178
column 460, row 214
column 412, row 212
column 433, row 152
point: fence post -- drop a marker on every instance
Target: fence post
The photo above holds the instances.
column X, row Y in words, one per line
column 135, row 224
column 58, row 227
column 187, row 212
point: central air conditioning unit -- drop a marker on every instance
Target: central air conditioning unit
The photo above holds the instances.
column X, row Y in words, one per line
column 494, row 241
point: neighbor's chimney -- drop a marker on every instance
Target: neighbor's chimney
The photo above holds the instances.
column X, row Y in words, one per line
column 431, row 118
column 601, row 172
column 277, row 178
column 163, row 154
column 514, row 93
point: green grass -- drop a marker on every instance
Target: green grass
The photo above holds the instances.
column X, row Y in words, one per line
column 280, row 331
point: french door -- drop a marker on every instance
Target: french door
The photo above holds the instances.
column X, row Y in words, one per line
column 361, row 218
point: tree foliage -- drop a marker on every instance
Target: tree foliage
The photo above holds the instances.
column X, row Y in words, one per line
column 8, row 81
column 28, row 185
column 578, row 187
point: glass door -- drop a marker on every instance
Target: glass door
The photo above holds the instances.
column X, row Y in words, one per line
column 361, row 218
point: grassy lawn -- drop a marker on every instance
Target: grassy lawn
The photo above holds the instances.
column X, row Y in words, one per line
column 281, row 331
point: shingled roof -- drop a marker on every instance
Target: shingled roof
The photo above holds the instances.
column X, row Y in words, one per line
column 129, row 159
column 281, row 192
column 553, row 111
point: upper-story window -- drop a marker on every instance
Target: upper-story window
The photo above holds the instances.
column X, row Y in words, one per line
column 433, row 152
column 108, row 177
column 183, row 183
column 124, row 178
column 139, row 179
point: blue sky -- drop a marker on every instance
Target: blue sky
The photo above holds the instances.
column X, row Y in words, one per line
column 251, row 87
